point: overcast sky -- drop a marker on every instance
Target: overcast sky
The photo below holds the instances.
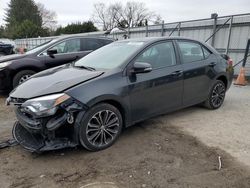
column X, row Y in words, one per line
column 170, row 10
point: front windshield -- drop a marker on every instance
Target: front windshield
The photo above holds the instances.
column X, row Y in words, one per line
column 41, row 46
column 110, row 56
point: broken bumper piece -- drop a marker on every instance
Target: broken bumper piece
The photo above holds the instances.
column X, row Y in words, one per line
column 39, row 134
column 35, row 142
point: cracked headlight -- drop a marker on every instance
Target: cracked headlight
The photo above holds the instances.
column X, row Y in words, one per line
column 5, row 64
column 47, row 105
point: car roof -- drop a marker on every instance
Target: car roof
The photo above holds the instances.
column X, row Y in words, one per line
column 155, row 39
column 149, row 40
column 61, row 37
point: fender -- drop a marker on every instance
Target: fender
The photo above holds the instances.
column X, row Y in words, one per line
column 25, row 64
column 28, row 62
column 121, row 103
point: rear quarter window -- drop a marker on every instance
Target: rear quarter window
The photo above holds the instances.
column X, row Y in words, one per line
column 206, row 52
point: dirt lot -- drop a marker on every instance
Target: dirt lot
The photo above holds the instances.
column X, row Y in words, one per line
column 167, row 151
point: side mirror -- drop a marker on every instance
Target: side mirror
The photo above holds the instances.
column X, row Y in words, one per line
column 140, row 67
column 52, row 52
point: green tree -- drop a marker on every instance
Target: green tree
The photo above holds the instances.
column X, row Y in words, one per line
column 21, row 13
column 76, row 28
column 2, row 32
column 28, row 29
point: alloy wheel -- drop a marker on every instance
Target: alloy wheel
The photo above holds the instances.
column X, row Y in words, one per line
column 102, row 128
column 218, row 95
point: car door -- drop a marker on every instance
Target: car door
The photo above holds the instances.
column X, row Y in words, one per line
column 198, row 64
column 159, row 90
column 68, row 51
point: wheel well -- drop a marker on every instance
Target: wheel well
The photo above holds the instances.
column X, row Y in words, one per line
column 27, row 68
column 22, row 69
column 119, row 107
column 223, row 79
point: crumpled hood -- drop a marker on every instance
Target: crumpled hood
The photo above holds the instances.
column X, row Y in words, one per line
column 53, row 80
column 11, row 57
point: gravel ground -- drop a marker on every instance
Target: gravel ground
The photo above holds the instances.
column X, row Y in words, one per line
column 227, row 128
column 180, row 149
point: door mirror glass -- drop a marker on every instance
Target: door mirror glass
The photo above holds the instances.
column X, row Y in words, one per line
column 141, row 67
column 52, row 52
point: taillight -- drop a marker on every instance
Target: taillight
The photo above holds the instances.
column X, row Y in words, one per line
column 228, row 59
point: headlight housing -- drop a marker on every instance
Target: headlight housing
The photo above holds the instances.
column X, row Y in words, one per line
column 5, row 64
column 45, row 106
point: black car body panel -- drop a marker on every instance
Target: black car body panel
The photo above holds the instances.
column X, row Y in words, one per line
column 12, row 57
column 137, row 96
column 38, row 60
column 54, row 81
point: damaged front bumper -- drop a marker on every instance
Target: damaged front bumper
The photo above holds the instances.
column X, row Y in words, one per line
column 38, row 134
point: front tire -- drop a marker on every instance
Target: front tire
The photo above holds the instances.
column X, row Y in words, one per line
column 100, row 127
column 216, row 96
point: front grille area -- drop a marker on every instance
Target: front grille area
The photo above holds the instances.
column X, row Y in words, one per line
column 40, row 134
column 28, row 140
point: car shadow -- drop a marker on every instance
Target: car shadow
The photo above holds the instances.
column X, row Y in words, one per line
column 128, row 134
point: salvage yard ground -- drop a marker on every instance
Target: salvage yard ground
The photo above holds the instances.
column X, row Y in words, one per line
column 180, row 149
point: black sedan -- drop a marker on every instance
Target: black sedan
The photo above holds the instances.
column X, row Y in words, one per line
column 89, row 102
column 15, row 69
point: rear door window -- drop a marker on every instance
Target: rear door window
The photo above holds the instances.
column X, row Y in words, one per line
column 190, row 51
column 91, row 44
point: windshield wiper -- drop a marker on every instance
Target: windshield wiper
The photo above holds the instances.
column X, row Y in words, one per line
column 86, row 67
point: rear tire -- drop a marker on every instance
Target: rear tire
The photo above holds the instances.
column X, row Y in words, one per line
column 216, row 96
column 100, row 127
column 22, row 76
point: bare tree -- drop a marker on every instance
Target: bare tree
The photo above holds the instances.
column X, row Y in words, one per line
column 107, row 16
column 131, row 14
column 100, row 15
column 48, row 17
column 158, row 20
column 135, row 13
column 114, row 10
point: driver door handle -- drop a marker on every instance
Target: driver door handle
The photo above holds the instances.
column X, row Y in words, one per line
column 177, row 73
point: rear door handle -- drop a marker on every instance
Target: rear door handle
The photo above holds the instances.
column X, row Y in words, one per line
column 212, row 64
column 177, row 73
